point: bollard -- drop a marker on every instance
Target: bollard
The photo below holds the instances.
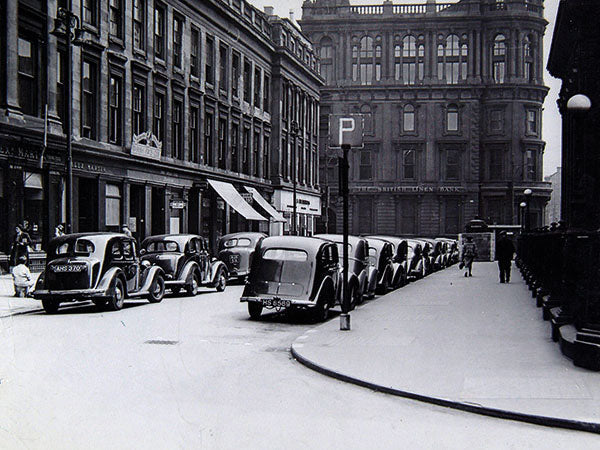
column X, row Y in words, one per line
column 345, row 322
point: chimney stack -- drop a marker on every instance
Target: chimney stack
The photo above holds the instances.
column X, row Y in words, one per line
column 269, row 10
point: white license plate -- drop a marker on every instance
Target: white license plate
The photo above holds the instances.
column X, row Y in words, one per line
column 64, row 268
column 276, row 302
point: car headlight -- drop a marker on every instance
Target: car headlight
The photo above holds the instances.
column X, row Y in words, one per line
column 146, row 264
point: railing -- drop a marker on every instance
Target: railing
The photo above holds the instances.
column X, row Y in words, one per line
column 367, row 9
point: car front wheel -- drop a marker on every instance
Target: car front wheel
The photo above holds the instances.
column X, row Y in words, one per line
column 50, row 306
column 192, row 287
column 221, row 281
column 117, row 297
column 157, row 290
column 255, row 310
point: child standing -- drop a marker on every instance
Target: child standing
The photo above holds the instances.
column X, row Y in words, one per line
column 22, row 278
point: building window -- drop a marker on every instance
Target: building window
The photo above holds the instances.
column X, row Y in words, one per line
column 406, row 215
column 194, row 53
column 499, row 59
column 208, row 142
column 452, row 165
column 138, row 108
column 266, row 145
column 409, row 163
column 177, row 41
column 223, row 75
column 159, row 117
column 246, row 151
column 255, row 152
column 285, row 158
column 365, row 215
column 496, row 164
column 28, row 79
column 409, row 60
column 115, row 109
column 452, row 60
column 266, row 94
column 366, row 60
column 61, row 74
column 247, row 76
column 326, row 56
column 366, row 168
column 496, row 121
column 235, row 74
column 257, row 79
column 139, row 20
column 177, row 129
column 378, row 62
column 452, row 219
column 89, row 91
column 209, row 67
column 113, row 205
column 531, row 166
column 89, row 12
column 408, row 118
column 528, row 59
column 115, row 17
column 159, row 31
column 222, row 143
column 235, row 132
column 452, row 118
column 532, row 123
column 194, row 133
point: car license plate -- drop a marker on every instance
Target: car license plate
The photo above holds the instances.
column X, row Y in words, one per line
column 276, row 302
column 68, row 268
column 234, row 259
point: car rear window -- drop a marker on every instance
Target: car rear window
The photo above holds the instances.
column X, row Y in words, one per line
column 230, row 243
column 162, row 246
column 285, row 254
column 84, row 246
column 244, row 242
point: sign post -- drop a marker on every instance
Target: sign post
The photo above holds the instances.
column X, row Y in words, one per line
column 345, row 132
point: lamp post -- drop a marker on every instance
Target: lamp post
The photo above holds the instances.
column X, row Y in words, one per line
column 527, row 192
column 521, row 216
column 67, row 26
column 294, row 129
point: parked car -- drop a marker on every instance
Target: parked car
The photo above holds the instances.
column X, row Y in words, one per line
column 101, row 267
column 381, row 254
column 399, row 259
column 435, row 254
column 452, row 251
column 362, row 276
column 236, row 250
column 293, row 272
column 427, row 251
column 416, row 260
column 186, row 262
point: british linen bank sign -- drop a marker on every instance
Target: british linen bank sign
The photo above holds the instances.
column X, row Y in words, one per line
column 146, row 145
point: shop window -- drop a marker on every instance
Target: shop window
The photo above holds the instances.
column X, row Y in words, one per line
column 139, row 24
column 209, row 65
column 159, row 31
column 113, row 205
column 89, row 92
column 33, row 206
column 177, row 42
column 28, row 76
column 115, row 18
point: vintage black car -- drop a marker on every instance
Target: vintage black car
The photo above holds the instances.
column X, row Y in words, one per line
column 436, row 253
column 416, row 260
column 381, row 253
column 236, row 250
column 293, row 272
column 362, row 275
column 399, row 260
column 186, row 262
column 452, row 252
column 102, row 267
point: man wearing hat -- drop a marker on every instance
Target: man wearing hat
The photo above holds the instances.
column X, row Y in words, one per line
column 504, row 252
column 125, row 230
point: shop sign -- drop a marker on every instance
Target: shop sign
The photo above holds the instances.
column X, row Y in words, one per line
column 408, row 189
column 89, row 167
column 146, row 145
column 31, row 154
column 247, row 196
column 305, row 204
column 177, row 204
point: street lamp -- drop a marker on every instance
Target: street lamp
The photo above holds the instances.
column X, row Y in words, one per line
column 67, row 26
column 294, row 129
column 521, row 217
column 527, row 193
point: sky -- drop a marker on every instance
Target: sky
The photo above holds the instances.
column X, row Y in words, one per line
column 551, row 122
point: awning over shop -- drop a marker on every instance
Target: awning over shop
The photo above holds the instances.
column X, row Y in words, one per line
column 276, row 215
column 235, row 200
column 33, row 180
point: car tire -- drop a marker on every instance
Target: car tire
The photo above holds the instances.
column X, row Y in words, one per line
column 157, row 289
column 221, row 281
column 383, row 289
column 321, row 310
column 194, row 284
column 100, row 304
column 355, row 297
column 255, row 310
column 175, row 290
column 50, row 306
column 117, row 295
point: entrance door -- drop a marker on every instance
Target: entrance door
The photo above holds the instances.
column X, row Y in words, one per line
column 88, row 204
column 137, row 208
column 158, row 210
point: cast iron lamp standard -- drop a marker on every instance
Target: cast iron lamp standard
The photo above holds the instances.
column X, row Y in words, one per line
column 67, row 26
column 521, row 215
column 527, row 192
column 294, row 129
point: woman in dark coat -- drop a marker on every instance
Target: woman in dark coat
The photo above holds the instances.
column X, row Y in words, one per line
column 20, row 246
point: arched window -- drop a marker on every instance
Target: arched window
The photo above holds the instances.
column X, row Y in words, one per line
column 452, row 118
column 408, row 118
column 409, row 60
column 355, row 63
column 452, row 60
column 378, row 62
column 499, row 59
column 528, row 59
column 326, row 56
column 397, row 62
column 421, row 62
column 366, row 60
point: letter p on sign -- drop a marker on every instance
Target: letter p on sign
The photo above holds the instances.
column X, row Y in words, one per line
column 345, row 129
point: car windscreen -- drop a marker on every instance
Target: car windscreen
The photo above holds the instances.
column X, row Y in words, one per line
column 79, row 247
column 237, row 242
column 285, row 254
column 162, row 246
column 373, row 256
column 282, row 272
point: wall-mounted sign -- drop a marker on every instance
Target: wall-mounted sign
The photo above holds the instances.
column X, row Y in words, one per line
column 146, row 145
column 345, row 129
column 89, row 167
column 177, row 204
column 247, row 196
column 409, row 189
column 305, row 203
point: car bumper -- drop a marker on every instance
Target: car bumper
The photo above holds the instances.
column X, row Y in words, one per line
column 72, row 294
column 279, row 302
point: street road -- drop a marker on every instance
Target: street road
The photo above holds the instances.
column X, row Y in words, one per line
column 197, row 373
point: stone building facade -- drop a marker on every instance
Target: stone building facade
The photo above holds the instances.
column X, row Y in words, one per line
column 167, row 97
column 452, row 100
column 553, row 206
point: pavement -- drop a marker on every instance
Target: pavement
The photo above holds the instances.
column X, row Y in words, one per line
column 11, row 305
column 467, row 343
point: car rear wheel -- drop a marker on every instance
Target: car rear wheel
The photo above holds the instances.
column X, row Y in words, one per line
column 384, row 287
column 50, row 306
column 255, row 310
column 117, row 297
column 221, row 281
column 355, row 297
column 194, row 284
column 157, row 290
column 321, row 310
column 175, row 290
column 100, row 304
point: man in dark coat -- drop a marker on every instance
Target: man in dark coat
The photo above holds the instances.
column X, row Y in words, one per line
column 504, row 252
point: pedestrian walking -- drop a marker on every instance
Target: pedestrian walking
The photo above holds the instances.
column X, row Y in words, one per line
column 469, row 253
column 125, row 230
column 20, row 246
column 22, row 278
column 504, row 252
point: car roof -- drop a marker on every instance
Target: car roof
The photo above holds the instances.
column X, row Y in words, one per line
column 352, row 240
column 179, row 238
column 253, row 235
column 376, row 243
column 310, row 244
column 99, row 237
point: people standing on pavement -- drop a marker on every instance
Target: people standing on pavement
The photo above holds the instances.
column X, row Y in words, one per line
column 125, row 230
column 20, row 246
column 22, row 278
column 469, row 253
column 59, row 230
column 504, row 251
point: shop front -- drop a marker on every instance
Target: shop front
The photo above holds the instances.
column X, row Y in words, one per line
column 308, row 209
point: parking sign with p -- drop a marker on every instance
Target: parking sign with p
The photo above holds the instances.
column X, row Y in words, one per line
column 345, row 129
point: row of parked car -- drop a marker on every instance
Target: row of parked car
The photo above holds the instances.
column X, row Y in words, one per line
column 281, row 272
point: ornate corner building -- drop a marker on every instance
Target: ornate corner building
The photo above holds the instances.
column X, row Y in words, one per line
column 168, row 96
column 452, row 98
